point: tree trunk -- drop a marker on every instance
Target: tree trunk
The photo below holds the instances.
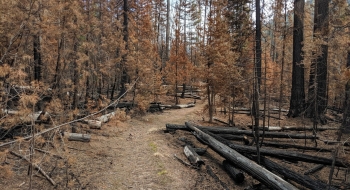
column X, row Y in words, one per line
column 235, row 131
column 192, row 156
column 124, row 76
column 346, row 112
column 76, row 72
column 167, row 33
column 294, row 176
column 317, row 96
column 37, row 58
column 297, row 99
column 233, row 172
column 78, row 137
column 289, row 155
column 269, row 179
column 280, row 145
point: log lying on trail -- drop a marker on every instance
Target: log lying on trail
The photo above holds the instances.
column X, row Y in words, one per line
column 105, row 118
column 192, row 156
column 233, row 172
column 93, row 124
column 78, row 137
column 179, row 106
column 280, row 145
column 289, row 155
column 235, row 131
column 291, row 175
column 263, row 175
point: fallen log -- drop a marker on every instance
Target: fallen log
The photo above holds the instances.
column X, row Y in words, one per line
column 263, row 175
column 314, row 169
column 200, row 151
column 336, row 142
column 235, row 131
column 179, row 106
column 174, row 127
column 78, row 137
column 233, row 172
column 36, row 167
column 291, row 175
column 192, row 156
column 235, row 137
column 93, row 124
column 105, row 118
column 285, row 146
column 294, row 128
column 289, row 155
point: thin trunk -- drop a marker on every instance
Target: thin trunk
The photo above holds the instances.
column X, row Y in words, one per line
column 76, row 71
column 167, row 34
column 37, row 58
column 257, row 76
column 282, row 65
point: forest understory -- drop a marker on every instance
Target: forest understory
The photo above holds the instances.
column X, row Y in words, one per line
column 138, row 153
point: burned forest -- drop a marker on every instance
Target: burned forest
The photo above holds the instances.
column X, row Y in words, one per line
column 175, row 94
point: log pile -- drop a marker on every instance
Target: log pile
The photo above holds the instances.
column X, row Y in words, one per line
column 240, row 158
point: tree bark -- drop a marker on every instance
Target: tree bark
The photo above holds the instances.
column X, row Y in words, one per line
column 37, row 58
column 289, row 155
column 271, row 180
column 235, row 131
column 346, row 112
column 297, row 99
column 192, row 156
column 294, row 176
column 317, row 96
column 233, row 172
column 280, row 145
column 78, row 137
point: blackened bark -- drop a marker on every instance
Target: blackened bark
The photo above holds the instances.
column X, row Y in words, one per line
column 317, row 97
column 76, row 72
column 37, row 58
column 297, row 100
column 124, row 76
column 167, row 34
column 346, row 113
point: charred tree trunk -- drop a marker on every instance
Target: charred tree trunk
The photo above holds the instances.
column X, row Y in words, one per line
column 317, row 97
column 294, row 176
column 271, row 180
column 124, row 76
column 233, row 172
column 289, row 155
column 346, row 112
column 76, row 72
column 37, row 58
column 297, row 100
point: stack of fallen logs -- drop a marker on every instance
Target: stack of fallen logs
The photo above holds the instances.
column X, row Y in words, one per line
column 243, row 157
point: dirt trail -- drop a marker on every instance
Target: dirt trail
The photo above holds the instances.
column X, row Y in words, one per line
column 139, row 155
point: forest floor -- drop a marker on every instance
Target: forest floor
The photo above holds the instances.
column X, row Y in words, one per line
column 137, row 154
